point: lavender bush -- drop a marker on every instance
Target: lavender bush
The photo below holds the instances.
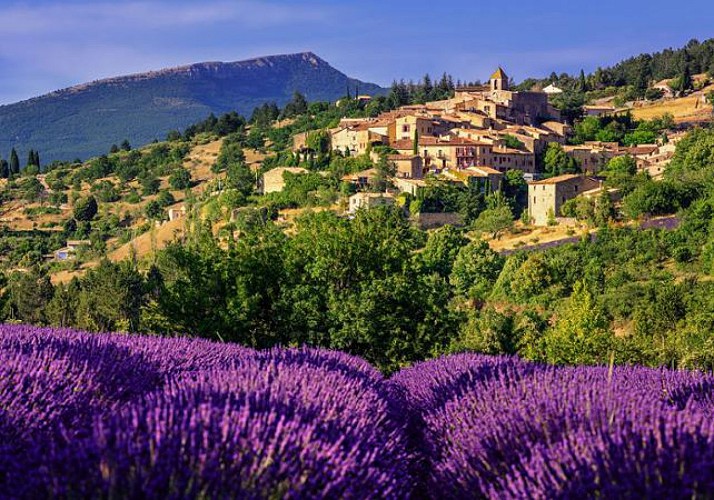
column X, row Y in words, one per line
column 85, row 415
column 499, row 428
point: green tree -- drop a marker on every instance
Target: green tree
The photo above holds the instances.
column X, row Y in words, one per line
column 475, row 271
column 557, row 161
column 604, row 209
column 581, row 333
column 489, row 332
column 85, row 209
column 297, row 106
column 61, row 310
column 180, row 179
column 497, row 218
column 154, row 210
column 111, row 298
column 150, row 184
column 512, row 142
column 442, row 247
column 165, row 198
column 29, row 293
column 32, row 189
column 14, row 162
column 570, row 104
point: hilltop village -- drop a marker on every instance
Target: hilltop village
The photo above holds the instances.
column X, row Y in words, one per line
column 475, row 138
column 433, row 217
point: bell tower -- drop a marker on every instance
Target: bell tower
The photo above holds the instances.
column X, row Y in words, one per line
column 499, row 80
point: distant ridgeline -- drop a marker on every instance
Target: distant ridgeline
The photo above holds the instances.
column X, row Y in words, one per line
column 85, row 120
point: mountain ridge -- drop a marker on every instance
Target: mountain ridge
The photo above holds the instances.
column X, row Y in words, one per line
column 85, row 119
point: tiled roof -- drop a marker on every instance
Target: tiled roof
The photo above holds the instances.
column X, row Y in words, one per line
column 499, row 74
column 557, row 179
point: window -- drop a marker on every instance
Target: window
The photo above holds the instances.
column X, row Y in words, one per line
column 405, row 128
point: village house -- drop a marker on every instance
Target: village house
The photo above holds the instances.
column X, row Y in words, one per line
column 362, row 179
column 653, row 159
column 546, row 197
column 300, row 141
column 504, row 159
column 366, row 201
column 273, row 181
column 407, row 127
column 663, row 86
column 598, row 110
column 356, row 140
column 458, row 153
column 552, row 89
column 407, row 166
column 500, row 103
column 177, row 212
column 560, row 129
column 485, row 179
column 69, row 251
column 593, row 157
column 535, row 139
column 410, row 186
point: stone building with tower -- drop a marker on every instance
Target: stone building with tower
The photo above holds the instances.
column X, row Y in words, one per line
column 499, row 102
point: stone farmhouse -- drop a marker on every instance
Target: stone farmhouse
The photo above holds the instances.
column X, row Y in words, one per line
column 365, row 201
column 547, row 196
column 273, row 180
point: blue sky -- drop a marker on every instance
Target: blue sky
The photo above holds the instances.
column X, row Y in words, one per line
column 50, row 44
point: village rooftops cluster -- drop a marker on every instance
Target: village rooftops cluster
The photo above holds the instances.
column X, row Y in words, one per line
column 475, row 137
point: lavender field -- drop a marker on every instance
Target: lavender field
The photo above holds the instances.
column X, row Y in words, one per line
column 114, row 416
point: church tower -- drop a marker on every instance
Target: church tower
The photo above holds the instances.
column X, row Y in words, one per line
column 499, row 80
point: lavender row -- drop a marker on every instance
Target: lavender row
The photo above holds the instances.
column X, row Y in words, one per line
column 500, row 428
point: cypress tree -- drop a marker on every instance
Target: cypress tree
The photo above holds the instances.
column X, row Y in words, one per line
column 14, row 162
column 4, row 169
column 37, row 159
column 31, row 158
column 686, row 79
column 583, row 82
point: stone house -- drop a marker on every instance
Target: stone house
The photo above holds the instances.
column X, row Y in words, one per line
column 365, row 201
column 487, row 180
column 546, row 197
column 663, row 86
column 592, row 157
column 357, row 139
column 362, row 179
column 177, row 212
column 593, row 110
column 273, row 181
column 407, row 166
